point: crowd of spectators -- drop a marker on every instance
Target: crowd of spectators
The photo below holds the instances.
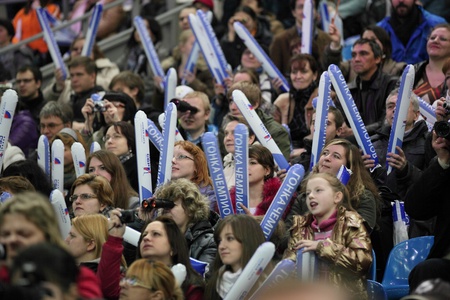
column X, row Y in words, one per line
column 341, row 223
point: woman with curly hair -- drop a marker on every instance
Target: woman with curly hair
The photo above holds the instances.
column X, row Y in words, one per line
column 191, row 213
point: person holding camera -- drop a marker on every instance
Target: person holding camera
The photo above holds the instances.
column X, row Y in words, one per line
column 430, row 199
column 190, row 211
column 103, row 109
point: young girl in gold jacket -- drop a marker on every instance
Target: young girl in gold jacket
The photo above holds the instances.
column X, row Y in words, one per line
column 334, row 233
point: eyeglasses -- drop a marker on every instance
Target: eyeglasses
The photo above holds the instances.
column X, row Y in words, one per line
column 115, row 136
column 83, row 196
column 436, row 37
column 50, row 125
column 182, row 157
column 25, row 80
column 133, row 281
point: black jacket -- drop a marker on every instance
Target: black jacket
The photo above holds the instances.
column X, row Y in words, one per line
column 200, row 239
column 414, row 148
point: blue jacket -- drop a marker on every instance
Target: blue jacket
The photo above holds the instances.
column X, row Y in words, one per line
column 416, row 49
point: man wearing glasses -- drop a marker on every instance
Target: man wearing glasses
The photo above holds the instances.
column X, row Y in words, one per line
column 28, row 86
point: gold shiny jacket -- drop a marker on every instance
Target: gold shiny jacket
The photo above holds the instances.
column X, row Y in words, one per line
column 348, row 253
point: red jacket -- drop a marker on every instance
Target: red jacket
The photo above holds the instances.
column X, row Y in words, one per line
column 271, row 187
column 108, row 272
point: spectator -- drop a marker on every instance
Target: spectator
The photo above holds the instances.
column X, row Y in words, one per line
column 23, row 135
column 364, row 196
column 120, row 139
column 430, row 199
column 106, row 69
column 232, row 44
column 15, row 59
column 371, row 86
column 200, row 80
column 135, row 60
column 69, row 136
column 335, row 122
column 194, row 125
column 229, row 164
column 253, row 94
column 33, row 213
column 174, row 250
column 15, row 184
column 91, row 194
column 107, row 164
column 31, row 171
column 191, row 214
column 114, row 107
column 264, row 15
column 189, row 161
column 26, row 25
column 237, row 238
column 110, row 21
column 263, row 185
column 280, row 49
column 208, row 6
column 409, row 26
column 45, row 268
column 155, row 277
column 54, row 117
column 330, row 225
column 429, row 80
column 29, row 82
column 295, row 107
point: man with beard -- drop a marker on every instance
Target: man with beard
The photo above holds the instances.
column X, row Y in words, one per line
column 409, row 26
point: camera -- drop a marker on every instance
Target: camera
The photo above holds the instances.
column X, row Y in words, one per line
column 149, row 204
column 99, row 104
column 442, row 129
column 129, row 215
column 183, row 106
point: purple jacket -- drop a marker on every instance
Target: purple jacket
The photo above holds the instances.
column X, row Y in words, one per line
column 24, row 132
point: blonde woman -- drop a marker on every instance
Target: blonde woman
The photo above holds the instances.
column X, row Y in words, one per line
column 147, row 279
column 85, row 240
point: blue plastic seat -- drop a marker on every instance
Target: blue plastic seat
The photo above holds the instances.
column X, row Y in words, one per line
column 375, row 291
column 372, row 275
column 402, row 259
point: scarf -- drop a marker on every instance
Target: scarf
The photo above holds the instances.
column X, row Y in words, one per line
column 326, row 225
column 227, row 281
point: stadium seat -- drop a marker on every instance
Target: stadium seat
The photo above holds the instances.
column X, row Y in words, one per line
column 372, row 275
column 402, row 259
column 375, row 291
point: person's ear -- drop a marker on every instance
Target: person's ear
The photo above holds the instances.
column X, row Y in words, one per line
column 91, row 246
column 158, row 295
column 251, row 139
column 339, row 131
column 338, row 197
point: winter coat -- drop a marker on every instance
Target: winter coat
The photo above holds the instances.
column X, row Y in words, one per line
column 24, row 132
column 415, row 51
column 414, row 148
column 200, row 239
column 430, row 198
column 367, row 209
column 348, row 253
